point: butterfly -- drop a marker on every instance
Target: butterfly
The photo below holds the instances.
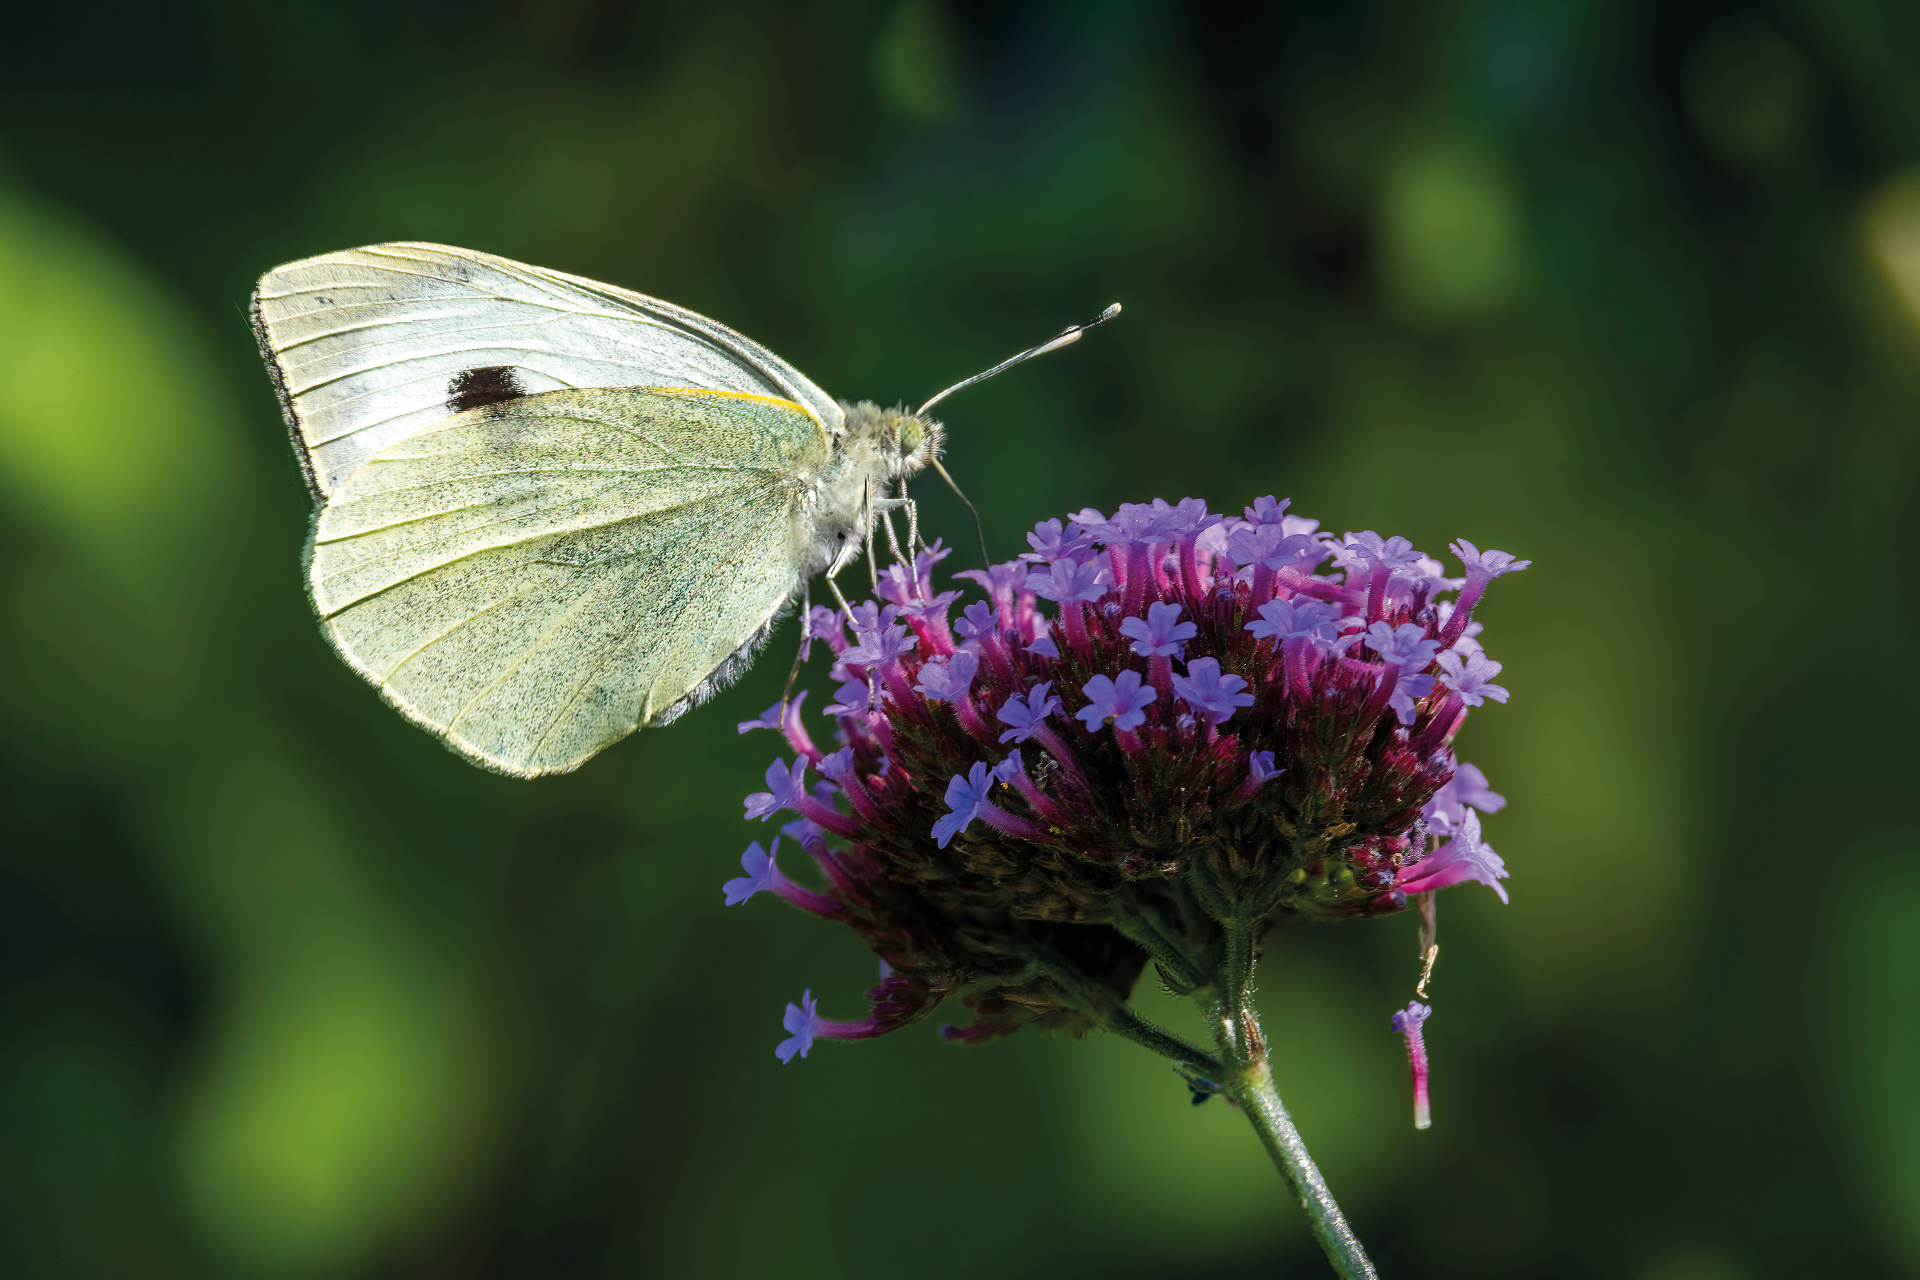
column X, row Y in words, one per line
column 548, row 511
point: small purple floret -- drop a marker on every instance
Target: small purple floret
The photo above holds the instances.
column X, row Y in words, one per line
column 1266, row 510
column 1069, row 580
column 803, row 831
column 1485, row 566
column 966, row 796
column 1214, row 697
column 1404, row 646
column 1051, row 542
column 762, row 870
column 799, row 1024
column 1297, row 619
column 770, row 718
column 1260, row 766
column 1160, row 634
column 1135, row 523
column 1269, row 545
column 1123, row 701
column 880, row 648
column 1467, row 789
column 1187, row 518
column 1404, row 649
column 1471, row 678
column 1027, row 712
column 785, row 790
column 827, row 624
column 1000, row 581
column 1482, row 567
column 870, row 616
column 976, row 620
column 855, row 697
column 948, row 679
column 1391, row 554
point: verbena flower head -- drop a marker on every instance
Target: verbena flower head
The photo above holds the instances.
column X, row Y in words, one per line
column 1147, row 725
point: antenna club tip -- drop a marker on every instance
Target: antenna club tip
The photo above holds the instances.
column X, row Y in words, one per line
column 1113, row 309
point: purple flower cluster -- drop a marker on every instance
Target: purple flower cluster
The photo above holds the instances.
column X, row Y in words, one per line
column 1152, row 723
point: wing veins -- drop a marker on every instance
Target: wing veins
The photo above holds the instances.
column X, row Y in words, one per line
column 498, row 546
column 520, row 661
column 417, row 318
column 646, row 708
column 530, row 471
column 428, row 643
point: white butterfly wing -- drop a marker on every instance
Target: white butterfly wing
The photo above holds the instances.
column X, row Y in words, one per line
column 535, row 580
column 371, row 345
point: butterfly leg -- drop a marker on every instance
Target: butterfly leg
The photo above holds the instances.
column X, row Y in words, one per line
column 914, row 542
column 800, row 653
column 900, row 557
column 866, row 512
column 893, row 539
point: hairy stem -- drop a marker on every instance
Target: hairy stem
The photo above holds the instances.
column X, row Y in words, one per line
column 1175, row 963
column 1123, row 1021
column 1115, row 1015
column 1249, row 1082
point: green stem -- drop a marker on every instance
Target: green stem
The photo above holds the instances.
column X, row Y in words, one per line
column 1116, row 1015
column 1253, row 1090
column 1170, row 958
column 1243, row 1047
column 1123, row 1021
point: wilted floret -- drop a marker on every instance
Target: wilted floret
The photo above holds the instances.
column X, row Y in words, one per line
column 1148, row 723
column 1465, row 857
column 1408, row 1022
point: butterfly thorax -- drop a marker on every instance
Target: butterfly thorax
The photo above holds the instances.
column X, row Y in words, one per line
column 877, row 450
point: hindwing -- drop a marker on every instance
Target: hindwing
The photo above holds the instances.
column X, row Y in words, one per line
column 535, row 579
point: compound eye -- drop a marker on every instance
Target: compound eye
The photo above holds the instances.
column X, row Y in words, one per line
column 912, row 435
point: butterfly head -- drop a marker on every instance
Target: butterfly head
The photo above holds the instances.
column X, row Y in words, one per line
column 900, row 441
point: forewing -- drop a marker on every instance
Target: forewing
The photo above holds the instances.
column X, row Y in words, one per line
column 537, row 579
column 371, row 345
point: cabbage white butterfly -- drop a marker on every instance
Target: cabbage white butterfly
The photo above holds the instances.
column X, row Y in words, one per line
column 550, row 511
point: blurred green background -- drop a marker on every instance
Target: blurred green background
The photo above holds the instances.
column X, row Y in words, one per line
column 1632, row 289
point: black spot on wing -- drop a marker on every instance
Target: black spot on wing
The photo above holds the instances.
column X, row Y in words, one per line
column 477, row 388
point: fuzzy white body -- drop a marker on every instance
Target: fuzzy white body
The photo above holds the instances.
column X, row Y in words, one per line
column 878, row 450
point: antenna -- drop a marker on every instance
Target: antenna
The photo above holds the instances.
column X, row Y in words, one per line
column 1066, row 337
